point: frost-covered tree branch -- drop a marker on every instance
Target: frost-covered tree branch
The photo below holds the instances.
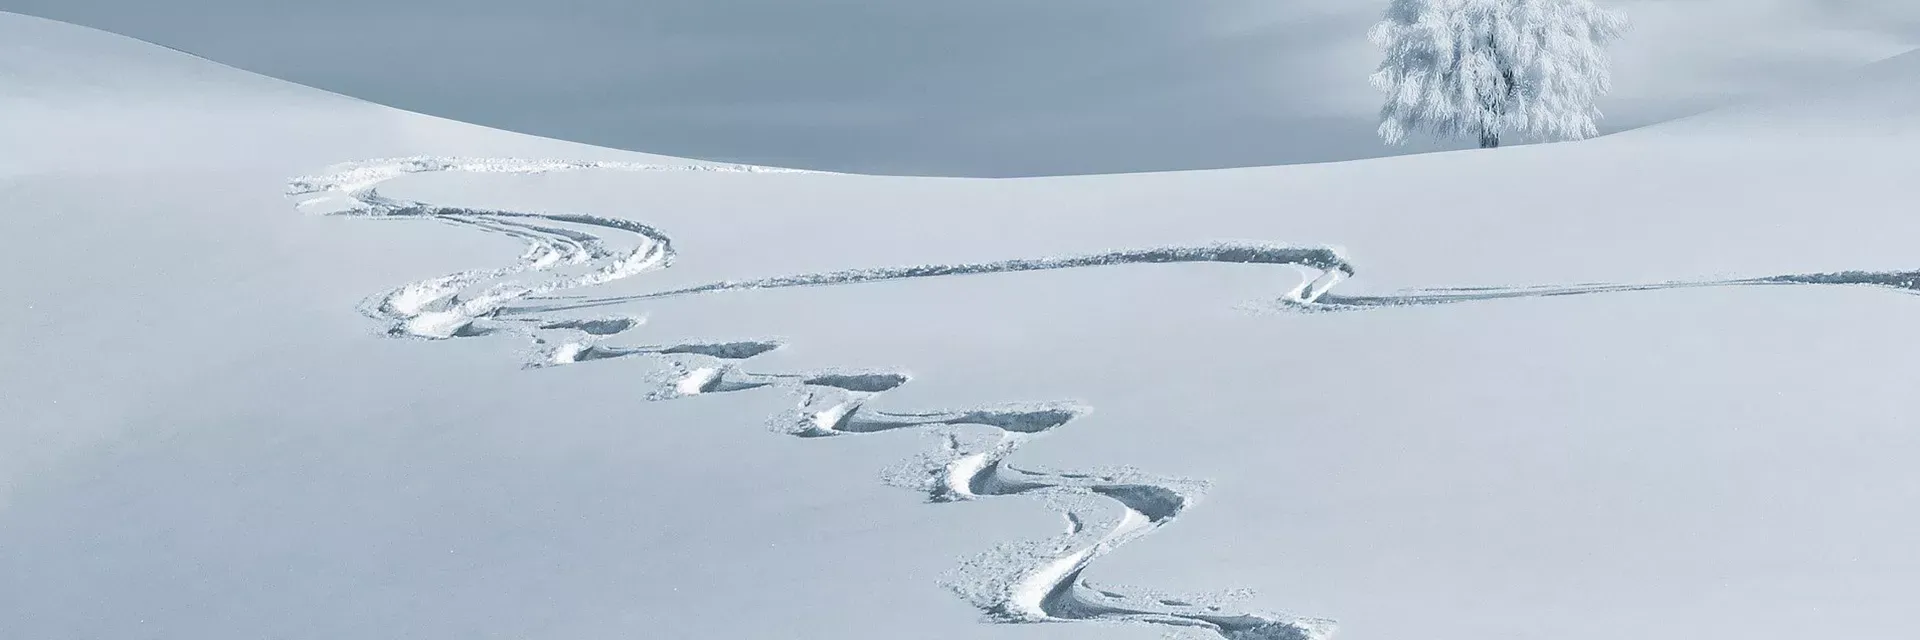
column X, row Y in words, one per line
column 1488, row 69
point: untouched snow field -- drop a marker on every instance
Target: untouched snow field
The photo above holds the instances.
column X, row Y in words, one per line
column 989, row 88
column 1648, row 386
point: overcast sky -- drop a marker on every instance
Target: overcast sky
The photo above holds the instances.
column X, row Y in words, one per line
column 973, row 87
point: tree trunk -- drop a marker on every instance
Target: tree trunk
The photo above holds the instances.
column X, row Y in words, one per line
column 1489, row 140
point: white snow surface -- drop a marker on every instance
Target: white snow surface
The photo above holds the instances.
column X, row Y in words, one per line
column 986, row 87
column 1651, row 386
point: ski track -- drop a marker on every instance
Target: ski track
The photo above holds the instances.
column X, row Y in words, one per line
column 1018, row 582
column 1030, row 581
column 1325, row 260
column 1901, row 281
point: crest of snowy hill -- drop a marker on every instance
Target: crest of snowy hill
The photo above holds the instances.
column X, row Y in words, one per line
column 999, row 87
column 74, row 98
column 1882, row 98
column 84, row 100
column 59, row 64
column 1648, row 386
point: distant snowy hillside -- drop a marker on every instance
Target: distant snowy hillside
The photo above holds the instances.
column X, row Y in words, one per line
column 1881, row 99
column 985, row 87
column 77, row 99
column 301, row 367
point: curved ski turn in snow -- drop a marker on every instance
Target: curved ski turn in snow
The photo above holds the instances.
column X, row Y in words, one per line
column 1013, row 583
column 1018, row 582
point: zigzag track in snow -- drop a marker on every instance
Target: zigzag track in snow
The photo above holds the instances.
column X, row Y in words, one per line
column 1018, row 582
column 1036, row 581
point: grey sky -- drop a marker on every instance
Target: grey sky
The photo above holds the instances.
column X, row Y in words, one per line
column 995, row 87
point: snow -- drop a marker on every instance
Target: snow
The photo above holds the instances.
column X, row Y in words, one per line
column 1651, row 385
column 1067, row 86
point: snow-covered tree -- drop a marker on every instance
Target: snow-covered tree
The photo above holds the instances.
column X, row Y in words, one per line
column 1493, row 68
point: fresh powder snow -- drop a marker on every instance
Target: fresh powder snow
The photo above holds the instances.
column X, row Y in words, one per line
column 285, row 364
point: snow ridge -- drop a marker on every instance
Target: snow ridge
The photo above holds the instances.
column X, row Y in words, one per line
column 1022, row 582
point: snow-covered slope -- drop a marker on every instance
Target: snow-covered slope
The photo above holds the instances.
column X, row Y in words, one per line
column 1880, row 99
column 80, row 100
column 985, row 87
column 1653, row 388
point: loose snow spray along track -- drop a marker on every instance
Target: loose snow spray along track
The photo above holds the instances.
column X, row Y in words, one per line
column 1016, row 582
